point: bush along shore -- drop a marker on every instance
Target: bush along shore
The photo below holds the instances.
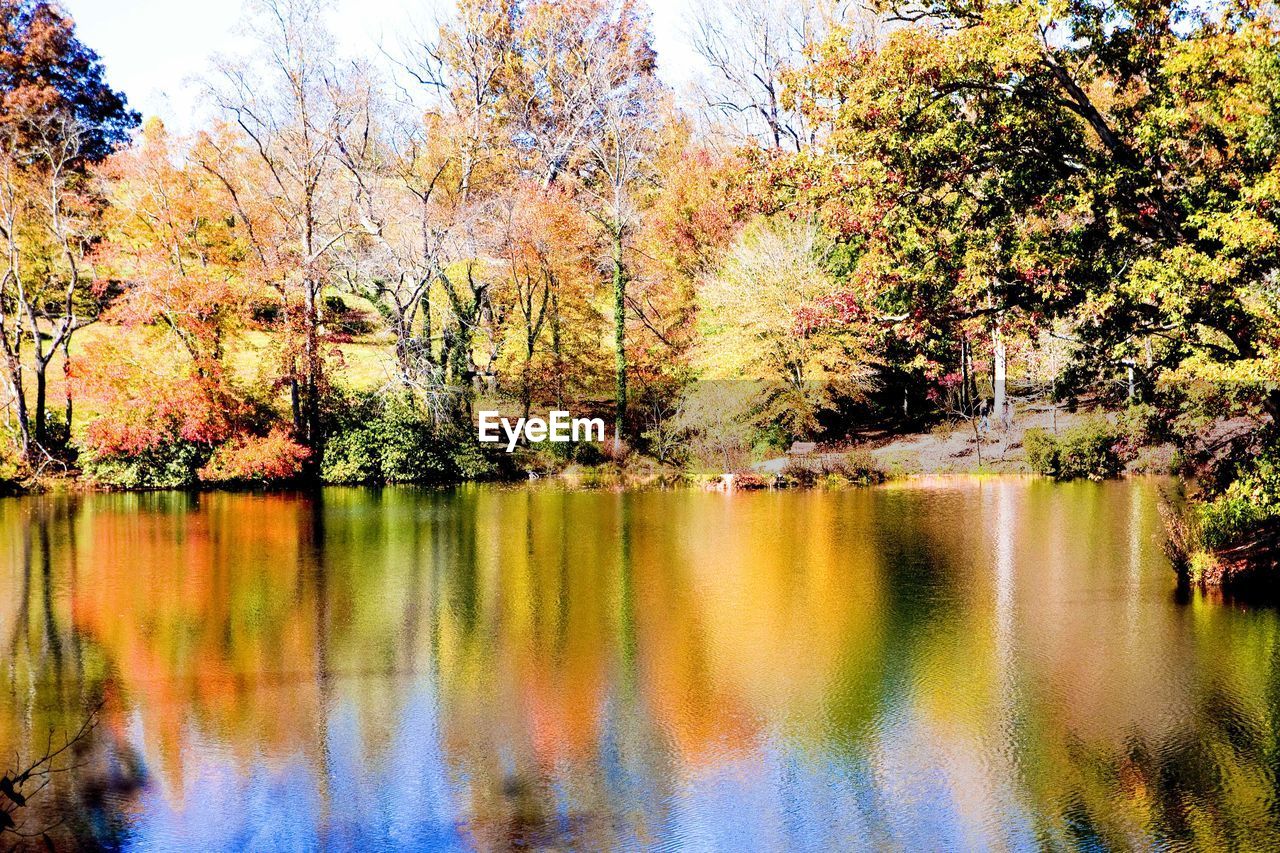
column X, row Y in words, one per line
column 1227, row 536
column 387, row 438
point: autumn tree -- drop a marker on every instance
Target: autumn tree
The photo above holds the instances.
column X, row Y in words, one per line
column 47, row 212
column 47, row 74
column 749, row 47
column 173, row 247
column 456, row 164
column 549, row 253
column 57, row 118
column 395, row 248
column 691, row 218
column 954, row 166
column 172, row 250
column 774, row 320
column 288, row 105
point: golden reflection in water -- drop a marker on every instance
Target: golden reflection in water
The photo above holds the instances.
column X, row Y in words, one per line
column 992, row 662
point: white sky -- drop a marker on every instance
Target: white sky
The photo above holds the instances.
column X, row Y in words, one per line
column 152, row 48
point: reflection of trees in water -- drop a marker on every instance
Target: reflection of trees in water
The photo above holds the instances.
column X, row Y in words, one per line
column 558, row 669
column 22, row 785
column 53, row 686
column 1210, row 783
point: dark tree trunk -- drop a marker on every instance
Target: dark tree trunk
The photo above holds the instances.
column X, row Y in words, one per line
column 42, row 385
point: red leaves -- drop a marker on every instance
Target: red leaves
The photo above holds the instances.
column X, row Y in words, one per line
column 256, row 459
column 1034, row 275
column 839, row 310
column 143, row 399
column 138, row 422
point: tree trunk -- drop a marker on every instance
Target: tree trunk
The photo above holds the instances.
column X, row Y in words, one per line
column 526, row 379
column 620, row 334
column 400, row 326
column 41, row 369
column 311, row 376
column 973, row 376
column 557, row 349
column 68, row 408
column 20, row 399
column 998, row 367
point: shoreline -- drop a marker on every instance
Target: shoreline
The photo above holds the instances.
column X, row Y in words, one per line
column 1244, row 578
column 877, row 455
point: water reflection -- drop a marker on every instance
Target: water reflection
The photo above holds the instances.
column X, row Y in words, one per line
column 993, row 663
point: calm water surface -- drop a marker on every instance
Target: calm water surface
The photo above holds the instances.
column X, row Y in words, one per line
column 973, row 664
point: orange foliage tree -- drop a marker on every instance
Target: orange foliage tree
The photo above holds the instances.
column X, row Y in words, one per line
column 173, row 257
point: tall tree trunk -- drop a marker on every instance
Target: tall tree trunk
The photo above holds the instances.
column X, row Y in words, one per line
column 999, row 368
column 526, row 378
column 311, row 378
column 400, row 326
column 42, row 385
column 20, row 401
column 557, row 349
column 973, row 376
column 295, row 399
column 67, row 406
column 619, row 334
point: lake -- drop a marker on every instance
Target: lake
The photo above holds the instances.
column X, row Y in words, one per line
column 998, row 663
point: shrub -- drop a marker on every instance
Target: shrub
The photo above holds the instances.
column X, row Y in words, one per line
column 612, row 450
column 169, row 465
column 342, row 319
column 393, row 439
column 12, row 470
column 471, row 460
column 57, row 434
column 273, row 458
column 1159, row 459
column 582, row 452
column 265, row 312
column 1088, row 451
column 854, row 468
column 1084, row 451
column 409, row 449
column 351, row 457
column 1142, row 424
column 159, row 419
column 1248, row 502
column 1042, row 451
column 749, row 480
column 858, row 466
column 1184, row 536
column 588, row 453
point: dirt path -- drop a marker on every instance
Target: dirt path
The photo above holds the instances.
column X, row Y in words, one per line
column 952, row 448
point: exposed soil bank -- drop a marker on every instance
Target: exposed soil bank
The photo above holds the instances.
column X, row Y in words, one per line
column 968, row 448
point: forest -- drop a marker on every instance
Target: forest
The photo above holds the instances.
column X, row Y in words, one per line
column 862, row 220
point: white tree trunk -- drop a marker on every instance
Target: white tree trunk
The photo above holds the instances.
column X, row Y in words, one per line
column 1000, row 365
